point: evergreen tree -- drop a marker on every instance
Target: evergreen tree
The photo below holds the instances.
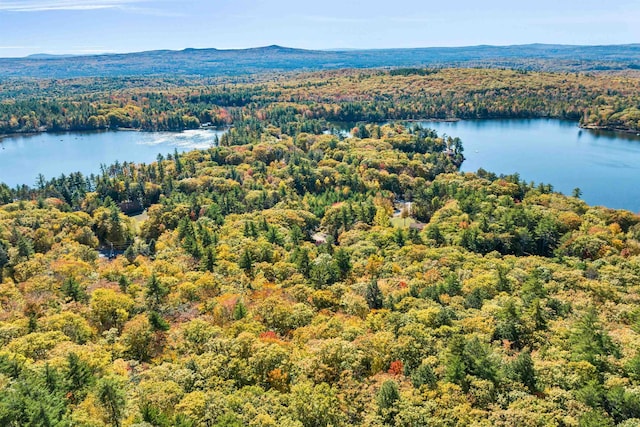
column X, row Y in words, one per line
column 155, row 292
column 387, row 398
column 590, row 342
column 522, row 370
column 208, row 261
column 239, row 311
column 246, row 262
column 78, row 377
column 72, row 289
column 374, row 295
column 157, row 322
column 4, row 260
column 343, row 262
column 111, row 396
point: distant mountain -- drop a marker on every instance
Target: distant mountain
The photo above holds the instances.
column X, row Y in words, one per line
column 48, row 56
column 234, row 62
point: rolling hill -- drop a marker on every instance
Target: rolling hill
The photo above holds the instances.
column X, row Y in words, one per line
column 215, row 62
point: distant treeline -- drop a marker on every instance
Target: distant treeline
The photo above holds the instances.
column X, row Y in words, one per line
column 311, row 101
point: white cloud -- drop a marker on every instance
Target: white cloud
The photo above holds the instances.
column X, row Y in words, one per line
column 48, row 5
column 18, row 47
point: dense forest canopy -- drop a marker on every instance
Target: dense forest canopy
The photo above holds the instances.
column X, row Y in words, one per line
column 293, row 276
column 310, row 102
column 281, row 279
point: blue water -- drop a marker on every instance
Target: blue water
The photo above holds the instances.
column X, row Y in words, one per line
column 604, row 165
column 22, row 158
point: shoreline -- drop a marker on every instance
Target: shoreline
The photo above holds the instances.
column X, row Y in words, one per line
column 35, row 133
column 610, row 129
column 4, row 136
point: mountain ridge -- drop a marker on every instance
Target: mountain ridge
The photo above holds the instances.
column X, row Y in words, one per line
column 212, row 62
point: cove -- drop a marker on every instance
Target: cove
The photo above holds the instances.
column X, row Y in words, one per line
column 22, row 158
column 604, row 165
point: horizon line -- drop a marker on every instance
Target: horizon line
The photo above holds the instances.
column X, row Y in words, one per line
column 107, row 52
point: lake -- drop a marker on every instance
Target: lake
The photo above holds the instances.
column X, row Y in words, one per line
column 604, row 165
column 22, row 158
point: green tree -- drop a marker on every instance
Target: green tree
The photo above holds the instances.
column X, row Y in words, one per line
column 4, row 260
column 72, row 289
column 208, row 261
column 323, row 271
column 246, row 262
column 110, row 393
column 239, row 311
column 591, row 342
column 343, row 262
column 373, row 295
column 522, row 370
column 388, row 397
column 78, row 376
column 155, row 292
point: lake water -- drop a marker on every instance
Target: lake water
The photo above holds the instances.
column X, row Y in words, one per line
column 604, row 165
column 22, row 158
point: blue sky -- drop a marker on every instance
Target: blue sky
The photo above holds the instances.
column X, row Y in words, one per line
column 105, row 26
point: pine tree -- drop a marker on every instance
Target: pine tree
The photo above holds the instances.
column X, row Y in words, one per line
column 112, row 398
column 157, row 322
column 296, row 235
column 239, row 311
column 521, row 369
column 155, row 292
column 4, row 260
column 343, row 262
column 72, row 290
column 387, row 398
column 77, row 377
column 208, row 261
column 246, row 262
column 374, row 295
column 303, row 262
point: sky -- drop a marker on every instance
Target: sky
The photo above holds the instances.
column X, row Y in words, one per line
column 110, row 26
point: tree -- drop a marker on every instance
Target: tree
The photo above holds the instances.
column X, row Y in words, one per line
column 316, row 405
column 576, row 192
column 208, row 261
column 522, row 370
column 404, row 214
column 246, row 262
column 373, row 295
column 110, row 309
column 510, row 326
column 295, row 235
column 111, row 396
column 387, row 398
column 590, row 342
column 302, row 261
column 157, row 322
column 72, row 289
column 4, row 260
column 239, row 311
column 78, row 377
column 343, row 262
column 382, row 218
column 138, row 337
column 323, row 271
column 423, row 375
column 155, row 292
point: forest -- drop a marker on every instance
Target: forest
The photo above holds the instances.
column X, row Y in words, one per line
column 283, row 279
column 311, row 102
